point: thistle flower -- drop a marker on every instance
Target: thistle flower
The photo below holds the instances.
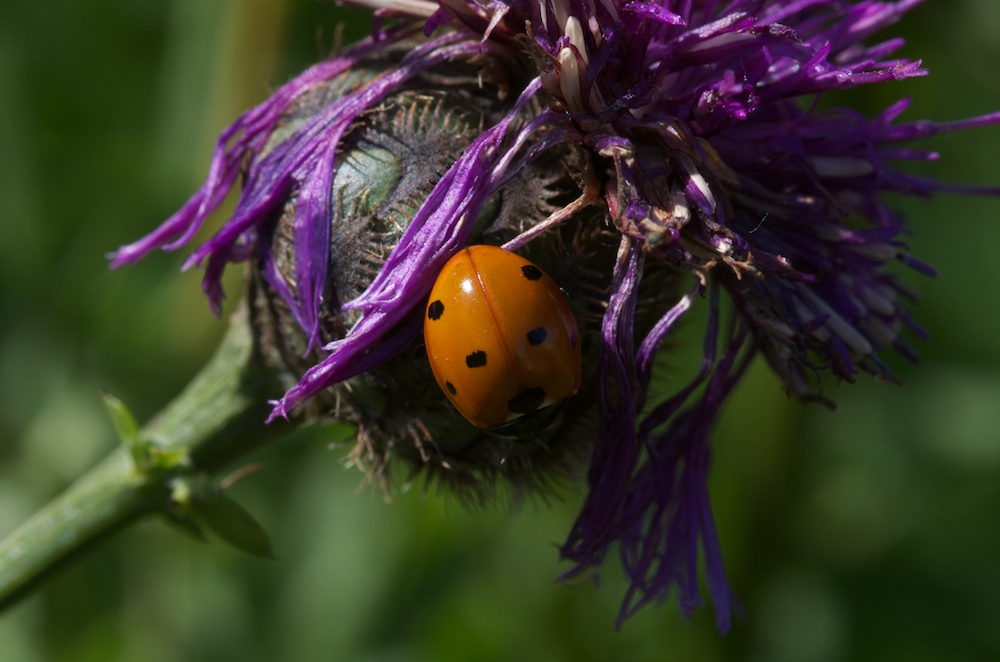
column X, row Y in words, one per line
column 647, row 155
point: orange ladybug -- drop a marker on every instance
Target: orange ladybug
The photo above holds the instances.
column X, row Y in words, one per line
column 502, row 341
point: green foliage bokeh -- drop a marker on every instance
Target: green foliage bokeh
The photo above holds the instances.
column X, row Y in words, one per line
column 867, row 533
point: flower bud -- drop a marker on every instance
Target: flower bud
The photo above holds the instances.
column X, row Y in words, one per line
column 386, row 166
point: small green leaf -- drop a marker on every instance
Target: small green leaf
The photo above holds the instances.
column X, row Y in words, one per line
column 127, row 429
column 185, row 523
column 228, row 520
column 125, row 424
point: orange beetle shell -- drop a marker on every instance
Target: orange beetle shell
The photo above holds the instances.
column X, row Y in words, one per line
column 501, row 338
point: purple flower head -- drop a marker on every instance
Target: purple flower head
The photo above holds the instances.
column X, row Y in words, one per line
column 693, row 133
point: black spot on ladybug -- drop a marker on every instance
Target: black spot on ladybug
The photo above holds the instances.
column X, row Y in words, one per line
column 572, row 341
column 527, row 400
column 476, row 360
column 435, row 310
column 536, row 336
column 450, row 387
column 531, row 272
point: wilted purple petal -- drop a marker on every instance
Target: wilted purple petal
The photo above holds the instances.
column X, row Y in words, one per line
column 668, row 518
column 615, row 451
column 250, row 131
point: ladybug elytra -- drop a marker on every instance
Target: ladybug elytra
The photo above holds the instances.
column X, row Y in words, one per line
column 502, row 341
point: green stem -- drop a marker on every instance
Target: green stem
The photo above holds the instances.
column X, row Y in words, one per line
column 112, row 495
column 201, row 431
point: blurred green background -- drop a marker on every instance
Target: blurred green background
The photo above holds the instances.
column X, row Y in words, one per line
column 868, row 533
